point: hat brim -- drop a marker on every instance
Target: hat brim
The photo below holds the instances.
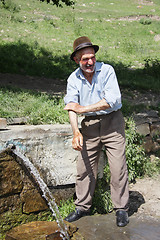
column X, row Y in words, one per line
column 96, row 48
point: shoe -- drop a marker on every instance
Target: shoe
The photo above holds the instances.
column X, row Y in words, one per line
column 77, row 214
column 122, row 218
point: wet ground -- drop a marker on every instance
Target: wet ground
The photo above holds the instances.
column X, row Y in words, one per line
column 103, row 227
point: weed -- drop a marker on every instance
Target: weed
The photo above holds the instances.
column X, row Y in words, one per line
column 10, row 6
column 145, row 21
column 135, row 155
column 152, row 67
column 66, row 207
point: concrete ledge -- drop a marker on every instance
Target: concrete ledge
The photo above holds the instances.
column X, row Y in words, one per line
column 49, row 147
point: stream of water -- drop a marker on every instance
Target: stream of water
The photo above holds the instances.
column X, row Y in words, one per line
column 46, row 193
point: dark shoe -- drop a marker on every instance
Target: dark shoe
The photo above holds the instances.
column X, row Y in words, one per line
column 122, row 218
column 74, row 216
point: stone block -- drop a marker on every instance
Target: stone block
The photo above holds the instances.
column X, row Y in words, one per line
column 148, row 144
column 143, row 129
column 41, row 230
column 10, row 203
column 32, row 201
column 155, row 129
column 10, row 178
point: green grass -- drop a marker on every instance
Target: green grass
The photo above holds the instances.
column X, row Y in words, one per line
column 40, row 108
column 36, row 38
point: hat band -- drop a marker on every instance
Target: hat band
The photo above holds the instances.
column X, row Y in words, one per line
column 88, row 44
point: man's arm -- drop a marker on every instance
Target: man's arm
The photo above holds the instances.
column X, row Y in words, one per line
column 101, row 105
column 77, row 141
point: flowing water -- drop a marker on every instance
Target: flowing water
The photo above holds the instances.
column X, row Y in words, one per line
column 46, row 193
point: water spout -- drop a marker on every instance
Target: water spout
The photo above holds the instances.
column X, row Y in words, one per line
column 46, row 193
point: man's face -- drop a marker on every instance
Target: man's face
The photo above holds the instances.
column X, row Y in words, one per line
column 87, row 60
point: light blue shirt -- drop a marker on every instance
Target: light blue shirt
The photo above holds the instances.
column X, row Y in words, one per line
column 104, row 85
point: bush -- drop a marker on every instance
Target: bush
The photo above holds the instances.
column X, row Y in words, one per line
column 145, row 21
column 135, row 155
column 152, row 67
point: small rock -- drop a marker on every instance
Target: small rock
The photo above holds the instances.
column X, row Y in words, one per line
column 33, row 202
column 17, row 121
column 155, row 129
column 143, row 129
column 40, row 230
column 157, row 38
column 3, row 123
column 148, row 144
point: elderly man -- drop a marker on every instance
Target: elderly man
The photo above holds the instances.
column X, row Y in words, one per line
column 93, row 91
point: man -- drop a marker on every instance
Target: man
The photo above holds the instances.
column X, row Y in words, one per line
column 93, row 91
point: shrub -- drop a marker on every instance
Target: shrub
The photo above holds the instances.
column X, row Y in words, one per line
column 145, row 21
column 135, row 155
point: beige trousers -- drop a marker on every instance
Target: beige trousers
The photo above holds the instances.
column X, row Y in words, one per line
column 107, row 130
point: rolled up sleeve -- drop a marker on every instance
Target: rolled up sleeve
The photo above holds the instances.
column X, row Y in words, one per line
column 111, row 92
column 72, row 93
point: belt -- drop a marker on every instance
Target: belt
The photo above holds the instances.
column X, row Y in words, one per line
column 95, row 116
column 99, row 116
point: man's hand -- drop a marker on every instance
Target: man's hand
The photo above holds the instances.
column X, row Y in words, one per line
column 77, row 141
column 75, row 107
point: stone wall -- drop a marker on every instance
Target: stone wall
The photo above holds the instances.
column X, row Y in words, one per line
column 148, row 125
column 16, row 188
column 49, row 148
column 21, row 199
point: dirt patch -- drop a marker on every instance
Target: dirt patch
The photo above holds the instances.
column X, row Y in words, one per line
column 137, row 18
column 146, row 194
column 145, row 2
column 40, row 84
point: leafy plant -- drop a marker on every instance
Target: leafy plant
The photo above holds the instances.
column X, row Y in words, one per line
column 145, row 21
column 58, row 3
column 10, row 6
column 66, row 207
column 102, row 202
column 135, row 155
column 152, row 67
column 153, row 167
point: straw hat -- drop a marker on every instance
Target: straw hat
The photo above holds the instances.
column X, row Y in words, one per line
column 80, row 43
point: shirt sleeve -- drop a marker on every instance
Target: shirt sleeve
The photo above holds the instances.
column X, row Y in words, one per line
column 72, row 91
column 111, row 91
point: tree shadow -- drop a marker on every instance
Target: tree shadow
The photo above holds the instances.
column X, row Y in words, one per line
column 24, row 59
column 33, row 60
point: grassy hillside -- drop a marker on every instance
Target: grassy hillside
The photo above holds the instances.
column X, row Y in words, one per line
column 36, row 39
